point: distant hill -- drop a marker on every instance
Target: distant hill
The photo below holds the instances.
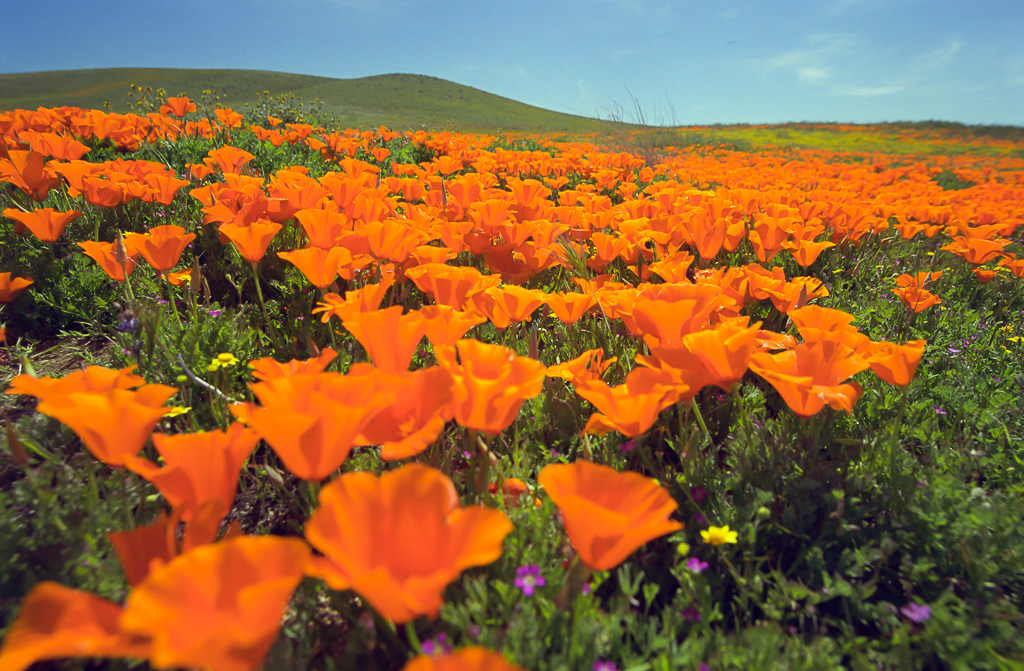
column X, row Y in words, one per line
column 402, row 101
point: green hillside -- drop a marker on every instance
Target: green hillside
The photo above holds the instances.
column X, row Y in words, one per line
column 398, row 100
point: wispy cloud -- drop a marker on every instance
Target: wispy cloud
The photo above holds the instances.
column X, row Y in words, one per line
column 868, row 91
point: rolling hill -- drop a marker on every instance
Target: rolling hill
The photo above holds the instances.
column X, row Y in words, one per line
column 398, row 100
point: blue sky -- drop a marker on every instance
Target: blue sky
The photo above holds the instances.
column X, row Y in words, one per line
column 689, row 61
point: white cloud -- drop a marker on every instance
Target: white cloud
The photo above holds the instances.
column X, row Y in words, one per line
column 811, row 74
column 868, row 91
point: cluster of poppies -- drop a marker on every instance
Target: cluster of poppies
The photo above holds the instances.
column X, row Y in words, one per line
column 648, row 252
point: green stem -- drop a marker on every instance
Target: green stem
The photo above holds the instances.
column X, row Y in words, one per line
column 271, row 329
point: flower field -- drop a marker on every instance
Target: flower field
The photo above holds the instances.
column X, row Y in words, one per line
column 286, row 396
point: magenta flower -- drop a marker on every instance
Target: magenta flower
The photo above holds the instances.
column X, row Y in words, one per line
column 916, row 612
column 696, row 565
column 529, row 579
column 604, row 665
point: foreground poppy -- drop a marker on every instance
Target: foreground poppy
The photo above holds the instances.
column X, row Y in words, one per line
column 217, row 607
column 400, row 539
column 607, row 514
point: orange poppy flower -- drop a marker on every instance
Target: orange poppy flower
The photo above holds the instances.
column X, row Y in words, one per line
column 491, row 383
column 682, row 308
column 896, row 364
column 811, row 375
column 238, row 589
column 630, row 408
column 179, row 107
column 366, row 299
column 400, row 539
column 389, row 337
column 60, row 147
column 161, row 246
column 466, row 659
column 57, row 622
column 916, row 299
column 319, row 265
column 323, row 227
column 198, row 467
column 450, row 285
column 266, row 368
column 415, row 418
column 28, row 171
column 508, row 304
column 607, row 514
column 588, row 366
column 444, row 326
column 105, row 254
column 45, row 223
column 10, row 288
column 311, row 420
column 113, row 424
column 228, row 159
column 252, row 240
column 570, row 306
column 235, row 590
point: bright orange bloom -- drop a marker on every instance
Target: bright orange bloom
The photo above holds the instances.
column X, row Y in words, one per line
column 588, row 366
column 916, row 299
column 45, row 223
column 320, row 266
column 115, row 424
column 444, row 326
column 179, row 107
column 450, row 285
column 632, row 407
column 507, row 304
column 216, row 607
column 9, row 288
column 607, row 514
column 491, row 383
column 198, row 467
column 717, row 356
column 685, row 308
column 570, row 306
column 896, row 364
column 105, row 254
column 219, row 606
column 267, row 368
column 228, row 159
column 812, row 374
column 311, row 420
column 415, row 418
column 27, row 170
column 323, row 227
column 161, row 246
column 389, row 337
column 56, row 622
column 252, row 240
column 400, row 539
column 466, row 659
column 366, row 299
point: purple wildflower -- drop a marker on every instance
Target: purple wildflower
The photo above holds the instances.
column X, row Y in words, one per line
column 691, row 614
column 938, row 410
column 916, row 612
column 604, row 665
column 437, row 646
column 696, row 565
column 529, row 579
